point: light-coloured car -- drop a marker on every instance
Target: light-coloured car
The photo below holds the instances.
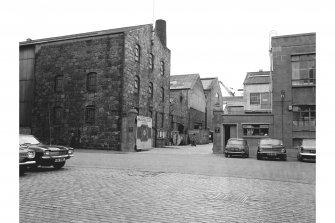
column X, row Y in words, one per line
column 271, row 148
column 307, row 150
column 237, row 147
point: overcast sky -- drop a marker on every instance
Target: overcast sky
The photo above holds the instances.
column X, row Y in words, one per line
column 223, row 39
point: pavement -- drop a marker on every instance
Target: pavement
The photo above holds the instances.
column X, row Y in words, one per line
column 173, row 184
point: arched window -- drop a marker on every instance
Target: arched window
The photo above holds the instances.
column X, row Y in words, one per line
column 59, row 83
column 137, row 52
column 162, row 94
column 137, row 84
column 91, row 82
column 151, row 90
column 90, row 114
column 151, row 61
column 162, row 68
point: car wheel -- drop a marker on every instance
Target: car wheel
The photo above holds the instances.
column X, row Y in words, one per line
column 226, row 155
column 58, row 165
column 259, row 157
column 284, row 158
column 244, row 156
column 23, row 170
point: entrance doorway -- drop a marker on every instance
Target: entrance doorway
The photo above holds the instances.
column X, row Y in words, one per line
column 230, row 131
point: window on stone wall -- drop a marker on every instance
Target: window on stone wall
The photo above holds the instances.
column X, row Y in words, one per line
column 162, row 120
column 91, row 82
column 303, row 69
column 304, row 115
column 151, row 61
column 162, row 94
column 151, row 90
column 58, row 113
column 255, row 130
column 162, row 68
column 137, row 84
column 90, row 114
column 137, row 52
column 59, row 86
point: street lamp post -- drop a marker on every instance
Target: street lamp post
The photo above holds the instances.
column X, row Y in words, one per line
column 282, row 97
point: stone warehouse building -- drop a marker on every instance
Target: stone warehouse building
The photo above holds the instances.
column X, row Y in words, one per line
column 95, row 84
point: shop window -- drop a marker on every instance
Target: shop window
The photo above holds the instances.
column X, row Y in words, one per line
column 197, row 125
column 303, row 69
column 304, row 115
column 90, row 114
column 255, row 130
column 91, row 82
column 137, row 52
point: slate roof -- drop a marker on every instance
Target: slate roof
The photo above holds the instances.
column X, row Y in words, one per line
column 185, row 81
column 82, row 35
column 207, row 83
column 260, row 77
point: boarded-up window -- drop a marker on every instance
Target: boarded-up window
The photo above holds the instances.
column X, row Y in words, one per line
column 59, row 83
column 58, row 113
column 90, row 114
column 162, row 69
column 91, row 82
column 137, row 53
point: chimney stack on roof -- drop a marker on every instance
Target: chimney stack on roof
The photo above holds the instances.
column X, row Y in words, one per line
column 160, row 28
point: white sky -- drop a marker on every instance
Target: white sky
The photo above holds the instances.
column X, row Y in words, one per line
column 213, row 38
column 210, row 37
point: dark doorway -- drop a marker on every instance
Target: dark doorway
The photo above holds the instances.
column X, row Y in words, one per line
column 230, row 131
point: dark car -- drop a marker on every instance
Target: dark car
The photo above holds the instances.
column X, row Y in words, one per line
column 271, row 148
column 26, row 158
column 307, row 150
column 46, row 155
column 237, row 147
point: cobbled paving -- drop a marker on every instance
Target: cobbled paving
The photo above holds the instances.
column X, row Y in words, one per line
column 80, row 195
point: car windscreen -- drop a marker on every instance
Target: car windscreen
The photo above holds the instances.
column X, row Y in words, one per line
column 235, row 142
column 28, row 139
column 308, row 142
column 273, row 142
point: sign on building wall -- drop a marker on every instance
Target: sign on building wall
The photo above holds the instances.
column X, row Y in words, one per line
column 144, row 132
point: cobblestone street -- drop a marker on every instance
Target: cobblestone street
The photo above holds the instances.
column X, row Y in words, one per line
column 106, row 191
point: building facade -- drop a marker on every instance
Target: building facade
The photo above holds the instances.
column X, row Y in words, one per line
column 188, row 106
column 213, row 97
column 95, row 85
column 294, row 87
column 278, row 104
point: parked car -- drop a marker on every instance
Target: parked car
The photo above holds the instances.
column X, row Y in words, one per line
column 271, row 148
column 307, row 150
column 238, row 147
column 26, row 158
column 46, row 155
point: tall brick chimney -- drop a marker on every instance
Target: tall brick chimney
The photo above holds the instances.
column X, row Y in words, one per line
column 160, row 28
